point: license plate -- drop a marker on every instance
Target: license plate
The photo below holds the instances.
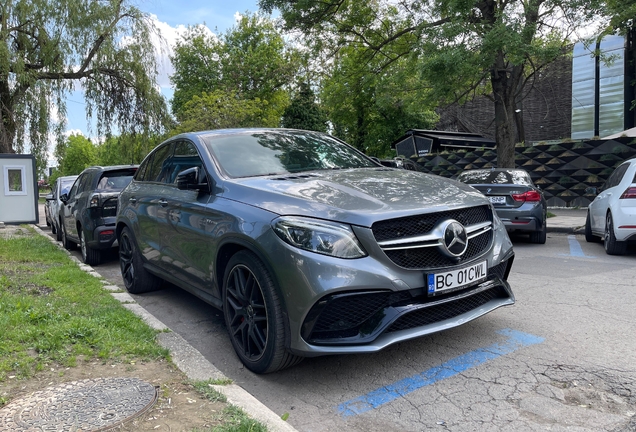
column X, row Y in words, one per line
column 497, row 199
column 457, row 278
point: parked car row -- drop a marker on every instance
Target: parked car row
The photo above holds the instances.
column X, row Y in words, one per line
column 308, row 246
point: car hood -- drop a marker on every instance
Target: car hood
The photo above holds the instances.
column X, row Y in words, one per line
column 355, row 196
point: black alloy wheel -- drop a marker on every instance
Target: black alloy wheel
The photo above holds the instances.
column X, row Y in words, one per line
column 540, row 237
column 612, row 246
column 136, row 278
column 254, row 316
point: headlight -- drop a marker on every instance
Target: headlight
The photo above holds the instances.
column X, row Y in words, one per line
column 322, row 237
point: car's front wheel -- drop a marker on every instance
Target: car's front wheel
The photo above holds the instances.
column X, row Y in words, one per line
column 612, row 246
column 58, row 232
column 589, row 236
column 89, row 256
column 68, row 245
column 136, row 278
column 254, row 315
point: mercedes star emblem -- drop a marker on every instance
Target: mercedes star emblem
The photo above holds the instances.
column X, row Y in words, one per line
column 455, row 239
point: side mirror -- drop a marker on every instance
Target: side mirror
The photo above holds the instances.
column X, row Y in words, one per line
column 375, row 159
column 591, row 191
column 48, row 197
column 64, row 197
column 189, row 180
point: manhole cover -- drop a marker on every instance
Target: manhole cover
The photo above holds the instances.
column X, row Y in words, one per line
column 87, row 405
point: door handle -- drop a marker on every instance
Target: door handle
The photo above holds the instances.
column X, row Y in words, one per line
column 163, row 202
column 132, row 200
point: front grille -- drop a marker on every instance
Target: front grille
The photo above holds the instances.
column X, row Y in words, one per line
column 430, row 257
column 426, row 258
column 433, row 314
column 409, row 226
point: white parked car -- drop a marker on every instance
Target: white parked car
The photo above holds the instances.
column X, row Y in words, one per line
column 612, row 214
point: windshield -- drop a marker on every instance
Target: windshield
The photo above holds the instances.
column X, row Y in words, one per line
column 115, row 180
column 280, row 152
column 518, row 177
column 66, row 186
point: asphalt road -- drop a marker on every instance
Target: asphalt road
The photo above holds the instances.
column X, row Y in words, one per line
column 562, row 358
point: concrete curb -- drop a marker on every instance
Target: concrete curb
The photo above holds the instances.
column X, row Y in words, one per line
column 188, row 359
column 566, row 229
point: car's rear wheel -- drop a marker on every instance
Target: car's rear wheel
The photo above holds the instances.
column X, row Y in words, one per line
column 136, row 278
column 254, row 315
column 589, row 236
column 612, row 246
column 68, row 245
column 89, row 256
column 53, row 229
column 539, row 237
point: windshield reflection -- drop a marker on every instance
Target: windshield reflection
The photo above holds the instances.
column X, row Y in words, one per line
column 281, row 152
column 498, row 176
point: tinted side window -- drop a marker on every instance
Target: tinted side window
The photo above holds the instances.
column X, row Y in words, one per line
column 157, row 168
column 76, row 185
column 143, row 169
column 618, row 174
column 185, row 157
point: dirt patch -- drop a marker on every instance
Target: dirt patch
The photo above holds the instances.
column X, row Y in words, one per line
column 179, row 406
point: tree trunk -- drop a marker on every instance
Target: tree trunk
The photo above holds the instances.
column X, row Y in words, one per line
column 7, row 125
column 504, row 84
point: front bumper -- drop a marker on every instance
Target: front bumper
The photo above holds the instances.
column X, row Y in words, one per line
column 337, row 306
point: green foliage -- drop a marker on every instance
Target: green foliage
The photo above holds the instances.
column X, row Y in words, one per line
column 126, row 149
column 455, row 49
column 370, row 107
column 48, row 48
column 304, row 112
column 251, row 60
column 222, row 109
column 75, row 154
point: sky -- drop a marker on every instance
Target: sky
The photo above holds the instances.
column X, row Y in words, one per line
column 172, row 18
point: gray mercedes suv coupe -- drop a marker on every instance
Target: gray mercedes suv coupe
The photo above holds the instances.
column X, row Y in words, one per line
column 308, row 246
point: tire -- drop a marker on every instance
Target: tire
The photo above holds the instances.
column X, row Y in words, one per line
column 53, row 229
column 254, row 315
column 89, row 256
column 137, row 279
column 68, row 245
column 612, row 246
column 539, row 237
column 58, row 233
column 589, row 236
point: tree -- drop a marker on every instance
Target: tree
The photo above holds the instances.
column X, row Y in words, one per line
column 304, row 112
column 369, row 105
column 465, row 48
column 251, row 60
column 48, row 48
column 126, row 149
column 220, row 110
column 76, row 153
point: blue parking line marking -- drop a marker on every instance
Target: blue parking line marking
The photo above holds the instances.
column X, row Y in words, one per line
column 575, row 248
column 391, row 392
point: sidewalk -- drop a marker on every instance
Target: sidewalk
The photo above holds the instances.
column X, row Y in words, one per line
column 571, row 221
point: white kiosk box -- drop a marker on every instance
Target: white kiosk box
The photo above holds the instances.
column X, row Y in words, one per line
column 18, row 189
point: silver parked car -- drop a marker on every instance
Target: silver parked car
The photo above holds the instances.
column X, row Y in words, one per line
column 54, row 204
column 308, row 246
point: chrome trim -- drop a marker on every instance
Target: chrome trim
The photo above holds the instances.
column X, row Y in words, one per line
column 433, row 239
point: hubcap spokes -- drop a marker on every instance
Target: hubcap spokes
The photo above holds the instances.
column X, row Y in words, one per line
column 125, row 260
column 246, row 311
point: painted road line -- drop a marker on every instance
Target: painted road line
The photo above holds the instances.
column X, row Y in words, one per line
column 386, row 394
column 575, row 248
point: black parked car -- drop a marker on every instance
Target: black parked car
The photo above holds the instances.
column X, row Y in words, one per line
column 308, row 246
column 89, row 209
column 519, row 203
